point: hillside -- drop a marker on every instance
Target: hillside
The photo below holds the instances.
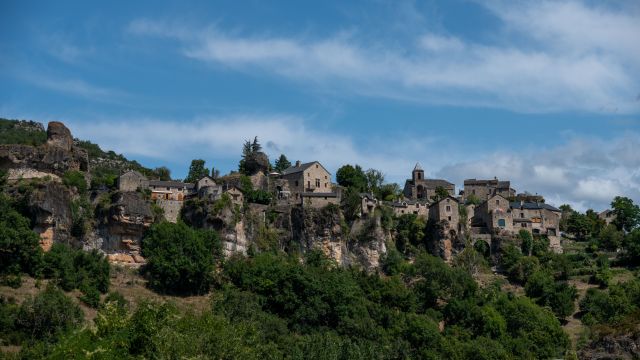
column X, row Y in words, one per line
column 91, row 265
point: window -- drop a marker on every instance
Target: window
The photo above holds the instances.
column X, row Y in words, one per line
column 448, row 208
column 325, row 184
column 473, row 191
column 316, row 166
column 317, row 182
column 449, row 218
column 415, row 212
column 325, row 198
column 502, row 223
column 308, row 184
column 524, row 224
column 325, row 177
column 522, row 215
column 497, row 202
column 296, row 183
column 168, row 188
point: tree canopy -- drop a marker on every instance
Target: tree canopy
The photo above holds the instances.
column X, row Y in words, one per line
column 197, row 171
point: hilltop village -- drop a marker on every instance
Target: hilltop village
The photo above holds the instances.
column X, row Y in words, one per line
column 295, row 205
column 293, row 243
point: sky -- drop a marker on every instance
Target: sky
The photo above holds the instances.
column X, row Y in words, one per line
column 543, row 93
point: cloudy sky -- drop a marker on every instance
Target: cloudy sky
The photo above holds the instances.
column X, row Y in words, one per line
column 543, row 93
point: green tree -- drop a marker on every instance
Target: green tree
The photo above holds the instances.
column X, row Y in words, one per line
column 163, row 173
column 527, row 242
column 19, row 246
column 610, row 237
column 180, row 260
column 75, row 179
column 579, row 225
column 48, row 315
column 473, row 199
column 441, row 193
column 375, row 179
column 390, row 192
column 352, row 177
column 282, row 163
column 627, row 214
column 197, row 171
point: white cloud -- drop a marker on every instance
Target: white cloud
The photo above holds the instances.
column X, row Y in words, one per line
column 566, row 56
column 72, row 86
column 583, row 172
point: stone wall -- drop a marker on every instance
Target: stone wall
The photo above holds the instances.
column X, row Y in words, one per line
column 171, row 209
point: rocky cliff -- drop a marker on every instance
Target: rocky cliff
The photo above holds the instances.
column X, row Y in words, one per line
column 56, row 156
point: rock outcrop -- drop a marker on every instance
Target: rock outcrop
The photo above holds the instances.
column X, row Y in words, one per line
column 57, row 156
column 616, row 345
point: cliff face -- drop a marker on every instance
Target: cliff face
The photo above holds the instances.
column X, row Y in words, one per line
column 616, row 345
column 293, row 229
column 56, row 156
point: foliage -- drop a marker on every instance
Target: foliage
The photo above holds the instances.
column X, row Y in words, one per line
column 441, row 193
column 627, row 214
column 352, row 177
column 632, row 246
column 75, row 179
column 197, row 171
column 611, row 305
column 180, row 260
column 14, row 132
column 351, row 204
column 389, row 192
column 527, row 242
column 579, row 225
column 19, row 246
column 559, row 296
column 47, row 315
column 282, row 163
column 410, row 230
column 375, row 180
column 252, row 195
column 610, row 238
column 473, row 199
column 163, row 173
column 77, row 269
column 253, row 159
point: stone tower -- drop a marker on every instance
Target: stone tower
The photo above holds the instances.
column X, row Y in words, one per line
column 418, row 173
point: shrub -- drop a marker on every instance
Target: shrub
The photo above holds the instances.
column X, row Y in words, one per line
column 75, row 179
column 48, row 315
column 180, row 260
column 19, row 246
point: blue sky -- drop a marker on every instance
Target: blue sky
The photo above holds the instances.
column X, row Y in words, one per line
column 544, row 93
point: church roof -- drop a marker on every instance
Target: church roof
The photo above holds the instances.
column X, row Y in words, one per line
column 418, row 167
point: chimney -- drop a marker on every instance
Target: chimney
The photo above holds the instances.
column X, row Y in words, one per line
column 297, row 163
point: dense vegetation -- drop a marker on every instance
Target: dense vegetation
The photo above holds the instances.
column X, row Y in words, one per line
column 24, row 133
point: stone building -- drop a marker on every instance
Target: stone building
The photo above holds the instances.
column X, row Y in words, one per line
column 484, row 189
column 445, row 214
column 494, row 214
column 170, row 190
column 421, row 189
column 607, row 216
column 368, row 204
column 309, row 184
column 132, row 181
column 537, row 218
column 236, row 195
column 409, row 207
column 206, row 187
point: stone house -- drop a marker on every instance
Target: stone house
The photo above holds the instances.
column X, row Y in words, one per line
column 485, row 189
column 409, row 207
column 131, row 181
column 237, row 197
column 607, row 216
column 445, row 213
column 537, row 218
column 170, row 190
column 208, row 188
column 446, row 210
column 419, row 188
column 319, row 200
column 309, row 177
column 494, row 214
column 368, row 204
column 308, row 184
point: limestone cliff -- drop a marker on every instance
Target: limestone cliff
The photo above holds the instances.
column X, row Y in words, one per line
column 57, row 156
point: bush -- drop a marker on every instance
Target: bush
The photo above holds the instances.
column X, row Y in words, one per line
column 48, row 315
column 75, row 179
column 76, row 269
column 180, row 260
column 19, row 246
